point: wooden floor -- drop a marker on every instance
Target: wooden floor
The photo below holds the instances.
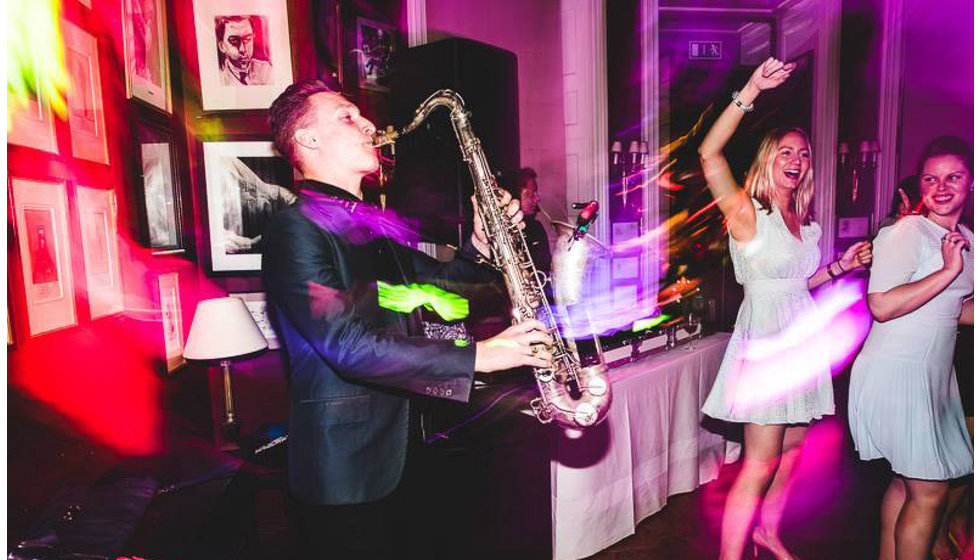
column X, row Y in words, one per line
column 832, row 512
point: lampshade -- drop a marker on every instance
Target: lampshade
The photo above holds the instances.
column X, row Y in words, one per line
column 223, row 328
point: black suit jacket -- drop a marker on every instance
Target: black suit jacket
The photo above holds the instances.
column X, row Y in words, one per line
column 353, row 364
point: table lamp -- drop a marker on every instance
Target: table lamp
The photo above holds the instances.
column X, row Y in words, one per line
column 224, row 329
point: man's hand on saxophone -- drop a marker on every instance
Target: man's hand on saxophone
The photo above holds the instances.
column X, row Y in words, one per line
column 479, row 237
column 523, row 344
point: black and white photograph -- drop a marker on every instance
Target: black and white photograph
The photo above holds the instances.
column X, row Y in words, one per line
column 375, row 45
column 160, row 204
column 247, row 183
column 145, row 42
column 259, row 309
column 243, row 51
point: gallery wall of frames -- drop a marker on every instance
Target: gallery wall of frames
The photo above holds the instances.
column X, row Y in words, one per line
column 149, row 189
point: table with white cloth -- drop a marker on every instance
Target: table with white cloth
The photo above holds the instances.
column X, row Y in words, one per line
column 651, row 446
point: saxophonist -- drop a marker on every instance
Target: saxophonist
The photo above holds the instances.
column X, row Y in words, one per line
column 353, row 366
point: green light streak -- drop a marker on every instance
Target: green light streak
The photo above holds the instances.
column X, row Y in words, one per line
column 406, row 298
column 644, row 324
column 35, row 63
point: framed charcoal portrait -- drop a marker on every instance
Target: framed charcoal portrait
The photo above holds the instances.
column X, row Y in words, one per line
column 41, row 219
column 247, row 183
column 86, row 115
column 375, row 45
column 243, row 51
column 145, row 47
column 158, row 182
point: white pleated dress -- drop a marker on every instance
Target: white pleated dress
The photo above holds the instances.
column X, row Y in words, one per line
column 904, row 403
column 757, row 384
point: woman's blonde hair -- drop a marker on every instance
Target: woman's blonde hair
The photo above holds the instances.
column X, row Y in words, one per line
column 759, row 181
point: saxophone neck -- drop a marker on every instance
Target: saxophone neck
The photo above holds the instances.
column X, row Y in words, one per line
column 441, row 98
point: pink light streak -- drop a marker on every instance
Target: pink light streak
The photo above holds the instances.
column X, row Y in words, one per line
column 794, row 359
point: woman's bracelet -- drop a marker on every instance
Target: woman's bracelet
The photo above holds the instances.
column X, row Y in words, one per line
column 738, row 103
column 830, row 271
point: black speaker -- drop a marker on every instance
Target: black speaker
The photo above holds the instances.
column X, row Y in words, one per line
column 431, row 186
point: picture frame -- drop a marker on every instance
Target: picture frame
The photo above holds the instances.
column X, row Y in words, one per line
column 97, row 216
column 246, row 184
column 158, row 190
column 625, row 268
column 86, row 113
column 41, row 225
column 145, row 50
column 32, row 120
column 258, row 308
column 375, row 45
column 171, row 320
column 243, row 52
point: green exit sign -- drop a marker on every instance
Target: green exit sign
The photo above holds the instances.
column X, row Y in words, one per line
column 704, row 50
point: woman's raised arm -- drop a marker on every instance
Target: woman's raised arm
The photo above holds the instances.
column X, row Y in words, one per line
column 733, row 202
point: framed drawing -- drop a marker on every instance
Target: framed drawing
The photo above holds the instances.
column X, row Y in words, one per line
column 30, row 119
column 247, row 183
column 158, row 188
column 41, row 220
column 100, row 250
column 243, row 52
column 256, row 304
column 172, row 321
column 86, row 116
column 145, row 48
column 375, row 45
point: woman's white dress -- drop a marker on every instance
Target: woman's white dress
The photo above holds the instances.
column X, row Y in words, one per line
column 904, row 403
column 766, row 377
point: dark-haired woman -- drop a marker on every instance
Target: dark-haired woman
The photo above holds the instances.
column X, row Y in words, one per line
column 904, row 404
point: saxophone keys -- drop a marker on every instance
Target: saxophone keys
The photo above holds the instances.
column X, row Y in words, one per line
column 586, row 414
column 597, row 387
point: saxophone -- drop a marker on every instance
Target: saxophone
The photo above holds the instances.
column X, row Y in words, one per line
column 571, row 395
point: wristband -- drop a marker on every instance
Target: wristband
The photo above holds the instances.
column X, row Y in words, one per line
column 830, row 271
column 738, row 103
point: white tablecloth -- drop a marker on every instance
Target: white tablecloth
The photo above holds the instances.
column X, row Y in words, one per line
column 651, row 446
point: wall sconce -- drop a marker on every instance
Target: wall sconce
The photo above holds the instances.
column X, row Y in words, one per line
column 628, row 167
column 855, row 166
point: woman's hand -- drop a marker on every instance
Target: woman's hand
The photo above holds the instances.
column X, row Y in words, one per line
column 952, row 248
column 770, row 74
column 856, row 255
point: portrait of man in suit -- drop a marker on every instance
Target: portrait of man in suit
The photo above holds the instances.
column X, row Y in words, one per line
column 242, row 50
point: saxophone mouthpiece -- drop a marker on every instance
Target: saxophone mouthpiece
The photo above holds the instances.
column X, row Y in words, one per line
column 385, row 137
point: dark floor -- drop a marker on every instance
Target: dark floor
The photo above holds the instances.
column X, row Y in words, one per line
column 230, row 509
column 831, row 515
